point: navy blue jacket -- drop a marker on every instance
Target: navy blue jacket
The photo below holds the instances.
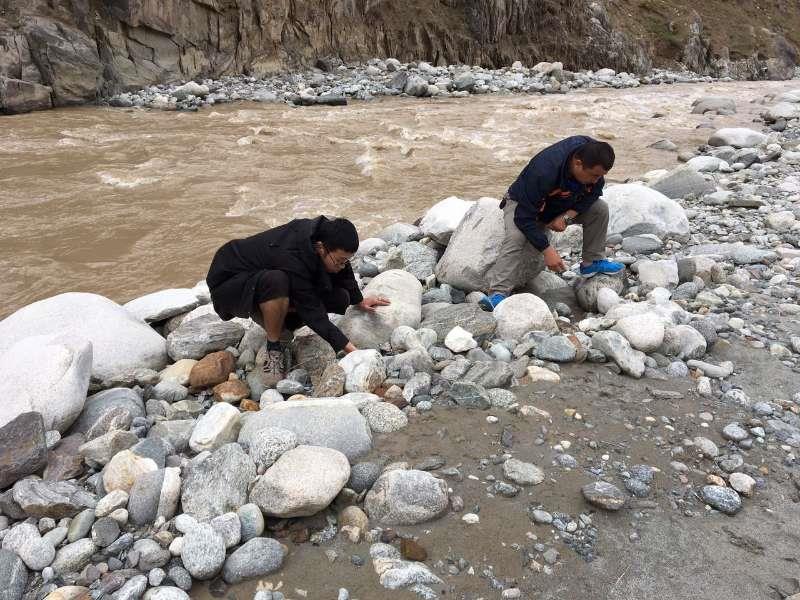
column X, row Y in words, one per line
column 545, row 190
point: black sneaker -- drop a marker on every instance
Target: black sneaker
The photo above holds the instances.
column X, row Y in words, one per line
column 274, row 368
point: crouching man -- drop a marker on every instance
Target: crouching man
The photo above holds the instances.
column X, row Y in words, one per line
column 560, row 186
column 287, row 277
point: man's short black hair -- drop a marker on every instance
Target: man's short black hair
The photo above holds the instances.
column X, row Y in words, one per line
column 337, row 234
column 594, row 153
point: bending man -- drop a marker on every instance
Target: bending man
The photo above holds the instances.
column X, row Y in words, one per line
column 288, row 276
column 560, row 186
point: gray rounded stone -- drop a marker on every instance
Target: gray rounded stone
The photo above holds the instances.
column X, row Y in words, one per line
column 166, row 593
column 180, row 577
column 73, row 557
column 363, row 476
column 384, row 417
column 203, row 552
column 406, row 498
column 522, row 473
column 252, row 521
column 256, row 558
column 269, row 444
column 735, row 432
column 723, row 499
column 80, row 526
column 105, row 531
column 151, row 554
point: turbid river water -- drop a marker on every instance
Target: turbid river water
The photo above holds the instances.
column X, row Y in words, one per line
column 125, row 202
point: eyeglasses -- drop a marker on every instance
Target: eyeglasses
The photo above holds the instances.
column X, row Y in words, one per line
column 339, row 262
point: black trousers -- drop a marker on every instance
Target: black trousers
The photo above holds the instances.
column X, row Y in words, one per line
column 230, row 298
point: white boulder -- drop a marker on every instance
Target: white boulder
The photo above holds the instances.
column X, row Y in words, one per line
column 121, row 343
column 371, row 329
column 636, row 209
column 444, row 217
column 520, row 313
column 48, row 374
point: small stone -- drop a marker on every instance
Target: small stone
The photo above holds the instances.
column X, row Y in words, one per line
column 723, row 499
column 734, row 432
column 203, row 552
column 522, row 473
column 411, row 550
column 742, row 483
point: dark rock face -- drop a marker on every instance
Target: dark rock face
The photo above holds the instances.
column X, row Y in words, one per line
column 68, row 51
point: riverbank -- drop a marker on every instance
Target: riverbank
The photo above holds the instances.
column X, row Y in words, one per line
column 335, row 83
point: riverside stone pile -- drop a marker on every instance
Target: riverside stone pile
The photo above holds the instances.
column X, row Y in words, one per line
column 139, row 451
column 333, row 84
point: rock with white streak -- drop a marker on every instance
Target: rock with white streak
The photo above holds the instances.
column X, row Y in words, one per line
column 658, row 273
column 402, row 497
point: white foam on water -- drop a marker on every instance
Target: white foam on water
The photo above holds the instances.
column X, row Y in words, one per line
column 123, row 181
column 367, row 162
column 128, row 179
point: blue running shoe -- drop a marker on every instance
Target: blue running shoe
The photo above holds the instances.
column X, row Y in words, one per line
column 490, row 302
column 605, row 267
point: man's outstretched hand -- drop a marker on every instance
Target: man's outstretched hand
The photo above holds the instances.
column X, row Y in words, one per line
column 370, row 302
column 553, row 261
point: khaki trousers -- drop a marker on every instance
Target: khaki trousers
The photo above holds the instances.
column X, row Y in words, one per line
column 517, row 253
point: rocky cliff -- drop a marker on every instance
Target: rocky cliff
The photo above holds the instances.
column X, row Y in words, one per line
column 62, row 52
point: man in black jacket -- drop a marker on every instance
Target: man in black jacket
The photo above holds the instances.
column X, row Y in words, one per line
column 291, row 275
column 560, row 186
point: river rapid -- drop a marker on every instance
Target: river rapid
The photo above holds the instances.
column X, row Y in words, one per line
column 123, row 202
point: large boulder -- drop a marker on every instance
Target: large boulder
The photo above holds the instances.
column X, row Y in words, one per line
column 683, row 181
column 218, row 484
column 121, row 343
column 473, row 247
column 371, row 329
column 402, row 497
column 782, row 110
column 18, row 96
column 636, row 209
column 303, row 481
column 444, row 217
column 521, row 313
column 66, row 57
column 328, row 422
column 162, row 305
column 738, row 137
column 48, row 374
